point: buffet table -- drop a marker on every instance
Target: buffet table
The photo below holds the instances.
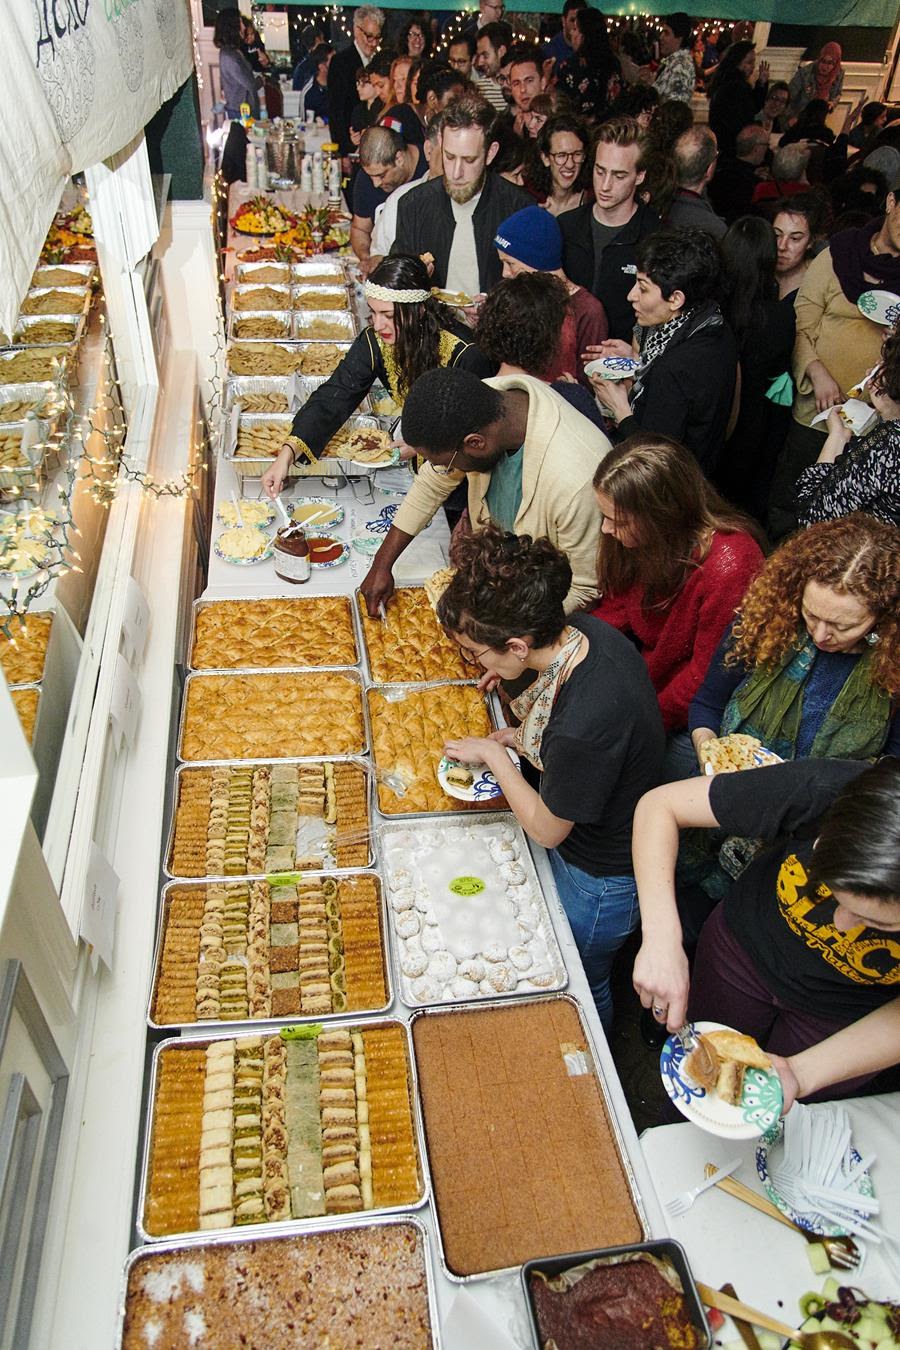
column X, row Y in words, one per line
column 486, row 1310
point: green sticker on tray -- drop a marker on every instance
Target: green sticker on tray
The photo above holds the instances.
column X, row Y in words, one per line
column 467, row 885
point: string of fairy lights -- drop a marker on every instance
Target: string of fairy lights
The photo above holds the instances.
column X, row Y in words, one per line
column 336, row 20
column 92, row 459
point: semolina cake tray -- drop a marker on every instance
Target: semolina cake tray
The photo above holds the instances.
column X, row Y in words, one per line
column 310, row 946
column 315, row 631
column 22, row 656
column 409, row 728
column 369, row 1284
column 308, row 1122
column 289, row 715
column 524, row 1157
column 409, row 644
column 244, row 820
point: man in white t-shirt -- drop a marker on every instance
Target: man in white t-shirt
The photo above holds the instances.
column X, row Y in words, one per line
column 385, row 228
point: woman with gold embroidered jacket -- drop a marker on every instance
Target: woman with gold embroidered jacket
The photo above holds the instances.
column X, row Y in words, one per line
column 411, row 332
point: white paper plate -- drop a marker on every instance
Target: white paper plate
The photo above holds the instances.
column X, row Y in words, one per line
column 335, row 562
column 880, row 306
column 612, row 367
column 761, row 1100
column 224, row 509
column 484, row 788
column 379, row 464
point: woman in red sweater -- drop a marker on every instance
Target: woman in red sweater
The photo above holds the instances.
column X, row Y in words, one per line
column 674, row 562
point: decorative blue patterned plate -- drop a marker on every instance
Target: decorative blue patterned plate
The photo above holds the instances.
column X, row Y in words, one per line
column 484, row 787
column 612, row 367
column 761, row 1099
column 880, row 306
column 812, row 1222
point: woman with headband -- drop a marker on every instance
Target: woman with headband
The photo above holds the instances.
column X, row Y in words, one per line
column 410, row 332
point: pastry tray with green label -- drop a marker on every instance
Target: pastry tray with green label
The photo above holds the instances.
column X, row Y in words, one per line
column 467, row 915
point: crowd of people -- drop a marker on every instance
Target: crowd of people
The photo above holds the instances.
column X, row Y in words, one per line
column 622, row 340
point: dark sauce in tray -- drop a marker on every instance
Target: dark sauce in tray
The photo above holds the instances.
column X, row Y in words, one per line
column 627, row 1306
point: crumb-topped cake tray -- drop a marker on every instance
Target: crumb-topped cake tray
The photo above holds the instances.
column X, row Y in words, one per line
column 468, row 920
column 283, row 1127
column 409, row 726
column 22, row 655
column 257, row 715
column 250, row 820
column 361, row 1284
column 524, row 1152
column 408, row 644
column 291, row 947
column 311, row 631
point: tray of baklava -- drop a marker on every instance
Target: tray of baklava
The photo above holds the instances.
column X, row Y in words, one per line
column 22, row 657
column 408, row 645
column 261, row 715
column 281, row 1127
column 293, row 946
column 409, row 726
column 315, row 631
column 250, row 820
column 366, row 1283
column 525, row 1155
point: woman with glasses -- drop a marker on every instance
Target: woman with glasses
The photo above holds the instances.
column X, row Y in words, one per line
column 410, row 332
column 560, row 172
column 589, row 728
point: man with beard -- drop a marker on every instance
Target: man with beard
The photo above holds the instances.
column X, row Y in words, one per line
column 455, row 217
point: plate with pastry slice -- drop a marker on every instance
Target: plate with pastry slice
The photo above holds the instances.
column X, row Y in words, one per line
column 734, row 1091
column 470, row 782
column 730, row 754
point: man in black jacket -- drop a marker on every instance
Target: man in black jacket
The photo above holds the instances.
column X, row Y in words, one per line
column 455, row 217
column 599, row 240
column 342, row 96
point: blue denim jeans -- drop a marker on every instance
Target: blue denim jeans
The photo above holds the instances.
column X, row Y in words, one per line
column 602, row 911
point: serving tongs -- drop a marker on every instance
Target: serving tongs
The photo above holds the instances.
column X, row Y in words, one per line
column 842, row 1252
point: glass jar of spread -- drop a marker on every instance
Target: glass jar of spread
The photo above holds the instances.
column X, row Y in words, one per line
column 291, row 549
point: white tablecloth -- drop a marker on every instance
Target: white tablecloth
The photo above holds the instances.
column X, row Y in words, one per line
column 366, row 504
column 727, row 1240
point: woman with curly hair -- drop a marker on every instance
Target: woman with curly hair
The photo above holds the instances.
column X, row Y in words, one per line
column 521, row 326
column 411, row 332
column 811, row 666
column 414, row 40
column 859, row 473
column 594, row 756
column 673, row 565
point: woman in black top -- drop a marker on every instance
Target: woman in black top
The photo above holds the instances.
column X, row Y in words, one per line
column 411, row 332
column 591, row 78
column 589, row 724
column 764, row 330
column 804, row 952
column 687, row 356
column 734, row 99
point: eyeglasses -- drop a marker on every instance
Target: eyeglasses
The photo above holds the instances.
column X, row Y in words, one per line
column 444, row 469
column 470, row 658
column 371, row 37
column 563, row 156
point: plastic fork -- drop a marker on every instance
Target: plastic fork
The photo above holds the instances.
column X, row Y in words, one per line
column 680, row 1204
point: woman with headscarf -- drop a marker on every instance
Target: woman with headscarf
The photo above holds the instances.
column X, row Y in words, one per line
column 410, row 332
column 822, row 78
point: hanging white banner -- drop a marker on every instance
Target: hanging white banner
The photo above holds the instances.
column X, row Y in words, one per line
column 83, row 79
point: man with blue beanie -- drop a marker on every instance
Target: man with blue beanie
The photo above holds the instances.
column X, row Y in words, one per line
column 530, row 241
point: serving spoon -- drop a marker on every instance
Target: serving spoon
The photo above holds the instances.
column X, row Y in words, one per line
column 809, row 1340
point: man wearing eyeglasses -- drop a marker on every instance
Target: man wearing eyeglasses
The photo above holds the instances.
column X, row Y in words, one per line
column 489, row 11
column 527, row 458
column 342, row 97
